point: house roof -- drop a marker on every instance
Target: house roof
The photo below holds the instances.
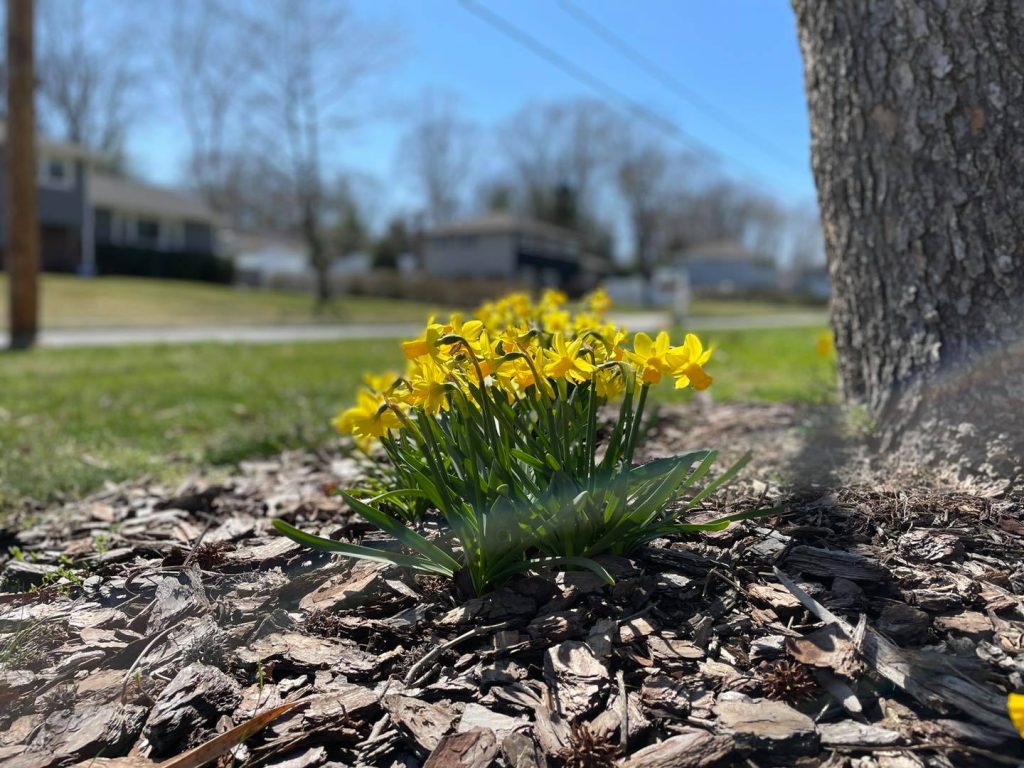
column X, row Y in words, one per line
column 718, row 250
column 503, row 223
column 53, row 146
column 123, row 194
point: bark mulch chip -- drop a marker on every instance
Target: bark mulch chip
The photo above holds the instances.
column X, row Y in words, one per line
column 867, row 624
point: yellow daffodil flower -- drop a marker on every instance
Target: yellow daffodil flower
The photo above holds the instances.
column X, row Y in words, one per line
column 687, row 361
column 825, row 346
column 564, row 360
column 367, row 419
column 380, row 382
column 428, row 387
column 1015, row 708
column 651, row 356
column 599, row 302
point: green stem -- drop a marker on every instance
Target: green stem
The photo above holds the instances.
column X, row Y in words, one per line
column 634, row 427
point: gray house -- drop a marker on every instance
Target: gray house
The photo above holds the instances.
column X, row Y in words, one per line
column 92, row 222
column 725, row 267
column 62, row 179
column 503, row 246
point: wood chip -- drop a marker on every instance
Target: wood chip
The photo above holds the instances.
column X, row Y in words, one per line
column 835, row 563
column 769, row 726
column 472, row 749
column 693, row 749
column 426, row 723
column 577, row 678
column 828, row 648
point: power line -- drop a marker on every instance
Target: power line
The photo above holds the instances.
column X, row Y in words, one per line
column 580, row 74
column 672, row 83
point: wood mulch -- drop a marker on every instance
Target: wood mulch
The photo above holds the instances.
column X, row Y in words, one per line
column 867, row 624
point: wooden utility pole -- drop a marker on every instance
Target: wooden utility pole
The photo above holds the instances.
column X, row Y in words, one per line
column 22, row 221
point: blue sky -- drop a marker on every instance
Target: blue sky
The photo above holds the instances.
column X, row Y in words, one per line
column 740, row 55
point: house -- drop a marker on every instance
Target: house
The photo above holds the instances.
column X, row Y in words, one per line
column 722, row 267
column 92, row 222
column 505, row 247
column 62, row 202
column 280, row 261
column 813, row 282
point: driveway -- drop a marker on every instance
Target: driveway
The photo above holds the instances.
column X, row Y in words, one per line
column 270, row 334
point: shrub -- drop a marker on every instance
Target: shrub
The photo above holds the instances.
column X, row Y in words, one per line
column 495, row 424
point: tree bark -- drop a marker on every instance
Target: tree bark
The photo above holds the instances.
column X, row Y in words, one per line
column 20, row 156
column 917, row 128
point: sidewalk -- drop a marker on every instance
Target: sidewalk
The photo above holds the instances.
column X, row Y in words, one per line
column 263, row 334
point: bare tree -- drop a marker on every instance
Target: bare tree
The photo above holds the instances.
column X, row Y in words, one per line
column 317, row 59
column 559, row 153
column 439, row 151
column 211, row 60
column 643, row 175
column 90, row 74
column 916, row 111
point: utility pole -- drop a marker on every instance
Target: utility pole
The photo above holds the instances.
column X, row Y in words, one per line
column 22, row 221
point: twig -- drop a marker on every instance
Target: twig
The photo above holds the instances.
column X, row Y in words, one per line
column 624, row 715
column 912, row 672
column 436, row 651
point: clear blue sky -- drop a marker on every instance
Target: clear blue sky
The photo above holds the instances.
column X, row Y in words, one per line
column 740, row 55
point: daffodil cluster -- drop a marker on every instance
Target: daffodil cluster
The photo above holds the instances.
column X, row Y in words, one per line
column 493, row 427
column 524, row 351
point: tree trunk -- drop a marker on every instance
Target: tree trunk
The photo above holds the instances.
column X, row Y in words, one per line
column 20, row 156
column 917, row 127
column 315, row 244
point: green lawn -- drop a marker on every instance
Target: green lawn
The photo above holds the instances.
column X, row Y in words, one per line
column 71, row 302
column 71, row 419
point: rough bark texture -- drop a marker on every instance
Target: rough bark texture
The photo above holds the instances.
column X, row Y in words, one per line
column 917, row 123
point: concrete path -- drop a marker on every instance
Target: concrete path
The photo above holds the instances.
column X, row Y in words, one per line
column 263, row 334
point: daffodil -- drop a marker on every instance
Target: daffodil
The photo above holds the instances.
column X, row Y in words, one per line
column 651, row 356
column 380, row 382
column 826, row 346
column 687, row 363
column 599, row 302
column 426, row 345
column 428, row 387
column 564, row 360
column 370, row 418
column 1015, row 708
column 608, row 383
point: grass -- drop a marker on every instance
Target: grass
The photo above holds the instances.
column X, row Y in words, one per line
column 71, row 419
column 71, row 302
column 113, row 302
column 714, row 307
column 742, row 308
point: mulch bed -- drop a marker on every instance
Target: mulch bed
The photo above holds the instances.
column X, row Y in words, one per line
column 868, row 625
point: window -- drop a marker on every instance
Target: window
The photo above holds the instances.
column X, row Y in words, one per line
column 147, row 231
column 172, row 236
column 55, row 173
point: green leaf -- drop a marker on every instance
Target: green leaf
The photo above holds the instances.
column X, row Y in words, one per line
column 721, row 480
column 403, row 534
column 357, row 551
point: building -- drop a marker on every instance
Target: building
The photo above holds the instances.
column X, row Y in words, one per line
column 506, row 247
column 722, row 268
column 62, row 202
column 93, row 222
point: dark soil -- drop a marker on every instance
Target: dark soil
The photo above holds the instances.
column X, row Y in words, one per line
column 866, row 624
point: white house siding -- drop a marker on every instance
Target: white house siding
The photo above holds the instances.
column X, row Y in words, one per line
column 483, row 255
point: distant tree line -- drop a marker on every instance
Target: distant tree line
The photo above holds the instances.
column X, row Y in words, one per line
column 269, row 93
